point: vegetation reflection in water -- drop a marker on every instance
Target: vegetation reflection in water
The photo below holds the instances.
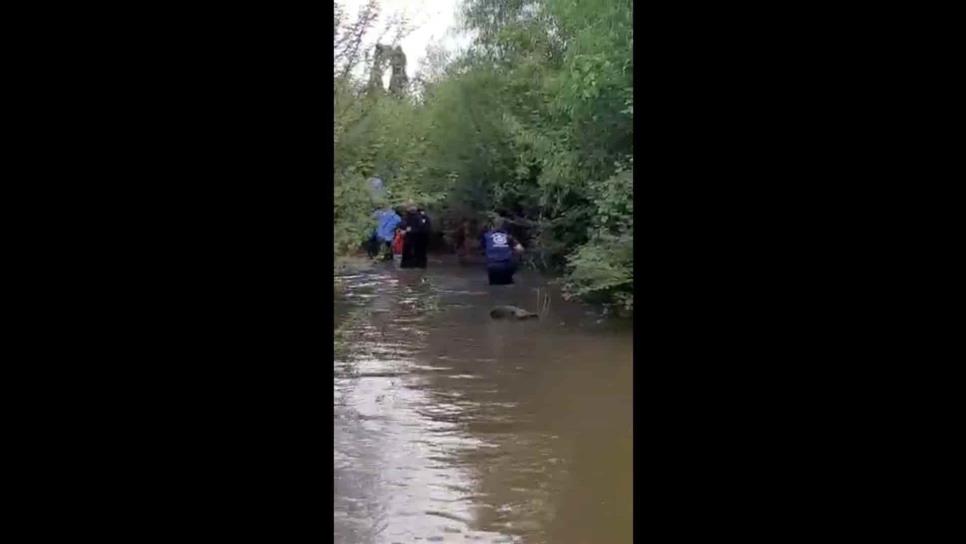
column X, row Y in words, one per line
column 452, row 427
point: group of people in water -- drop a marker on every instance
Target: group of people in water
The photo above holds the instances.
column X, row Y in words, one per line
column 402, row 235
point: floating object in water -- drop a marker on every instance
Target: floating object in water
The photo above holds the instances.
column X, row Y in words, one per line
column 511, row 312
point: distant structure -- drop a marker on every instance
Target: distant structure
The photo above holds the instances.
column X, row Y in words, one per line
column 379, row 59
column 398, row 81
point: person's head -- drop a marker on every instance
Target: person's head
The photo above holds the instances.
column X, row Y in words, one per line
column 499, row 224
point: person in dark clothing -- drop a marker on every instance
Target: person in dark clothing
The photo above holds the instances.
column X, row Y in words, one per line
column 499, row 247
column 373, row 246
column 416, row 226
column 421, row 238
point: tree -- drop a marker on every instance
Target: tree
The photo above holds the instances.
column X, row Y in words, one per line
column 534, row 120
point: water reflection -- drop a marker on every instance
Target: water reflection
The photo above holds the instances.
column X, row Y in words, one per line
column 452, row 427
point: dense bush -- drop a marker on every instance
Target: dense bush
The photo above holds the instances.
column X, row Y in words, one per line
column 534, row 119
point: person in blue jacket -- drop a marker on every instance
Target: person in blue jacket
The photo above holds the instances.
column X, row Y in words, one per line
column 386, row 221
column 500, row 247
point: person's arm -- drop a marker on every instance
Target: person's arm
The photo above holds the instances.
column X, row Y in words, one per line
column 515, row 244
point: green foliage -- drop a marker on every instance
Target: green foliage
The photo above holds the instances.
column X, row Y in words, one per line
column 603, row 268
column 535, row 119
column 353, row 221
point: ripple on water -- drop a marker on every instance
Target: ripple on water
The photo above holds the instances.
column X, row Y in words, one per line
column 436, row 433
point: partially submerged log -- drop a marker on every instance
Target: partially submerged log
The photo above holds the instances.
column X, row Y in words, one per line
column 511, row 312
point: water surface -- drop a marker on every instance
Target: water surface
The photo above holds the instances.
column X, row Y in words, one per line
column 452, row 427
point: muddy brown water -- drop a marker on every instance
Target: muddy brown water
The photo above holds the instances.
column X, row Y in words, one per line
column 453, row 427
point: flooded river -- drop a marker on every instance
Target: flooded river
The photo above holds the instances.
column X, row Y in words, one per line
column 452, row 427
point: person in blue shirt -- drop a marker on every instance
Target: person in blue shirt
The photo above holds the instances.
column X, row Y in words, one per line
column 499, row 247
column 386, row 221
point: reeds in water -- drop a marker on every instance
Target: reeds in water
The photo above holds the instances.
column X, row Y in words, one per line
column 543, row 302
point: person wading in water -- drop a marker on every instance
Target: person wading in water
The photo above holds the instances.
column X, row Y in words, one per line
column 387, row 220
column 499, row 247
column 416, row 227
column 423, row 229
column 397, row 247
